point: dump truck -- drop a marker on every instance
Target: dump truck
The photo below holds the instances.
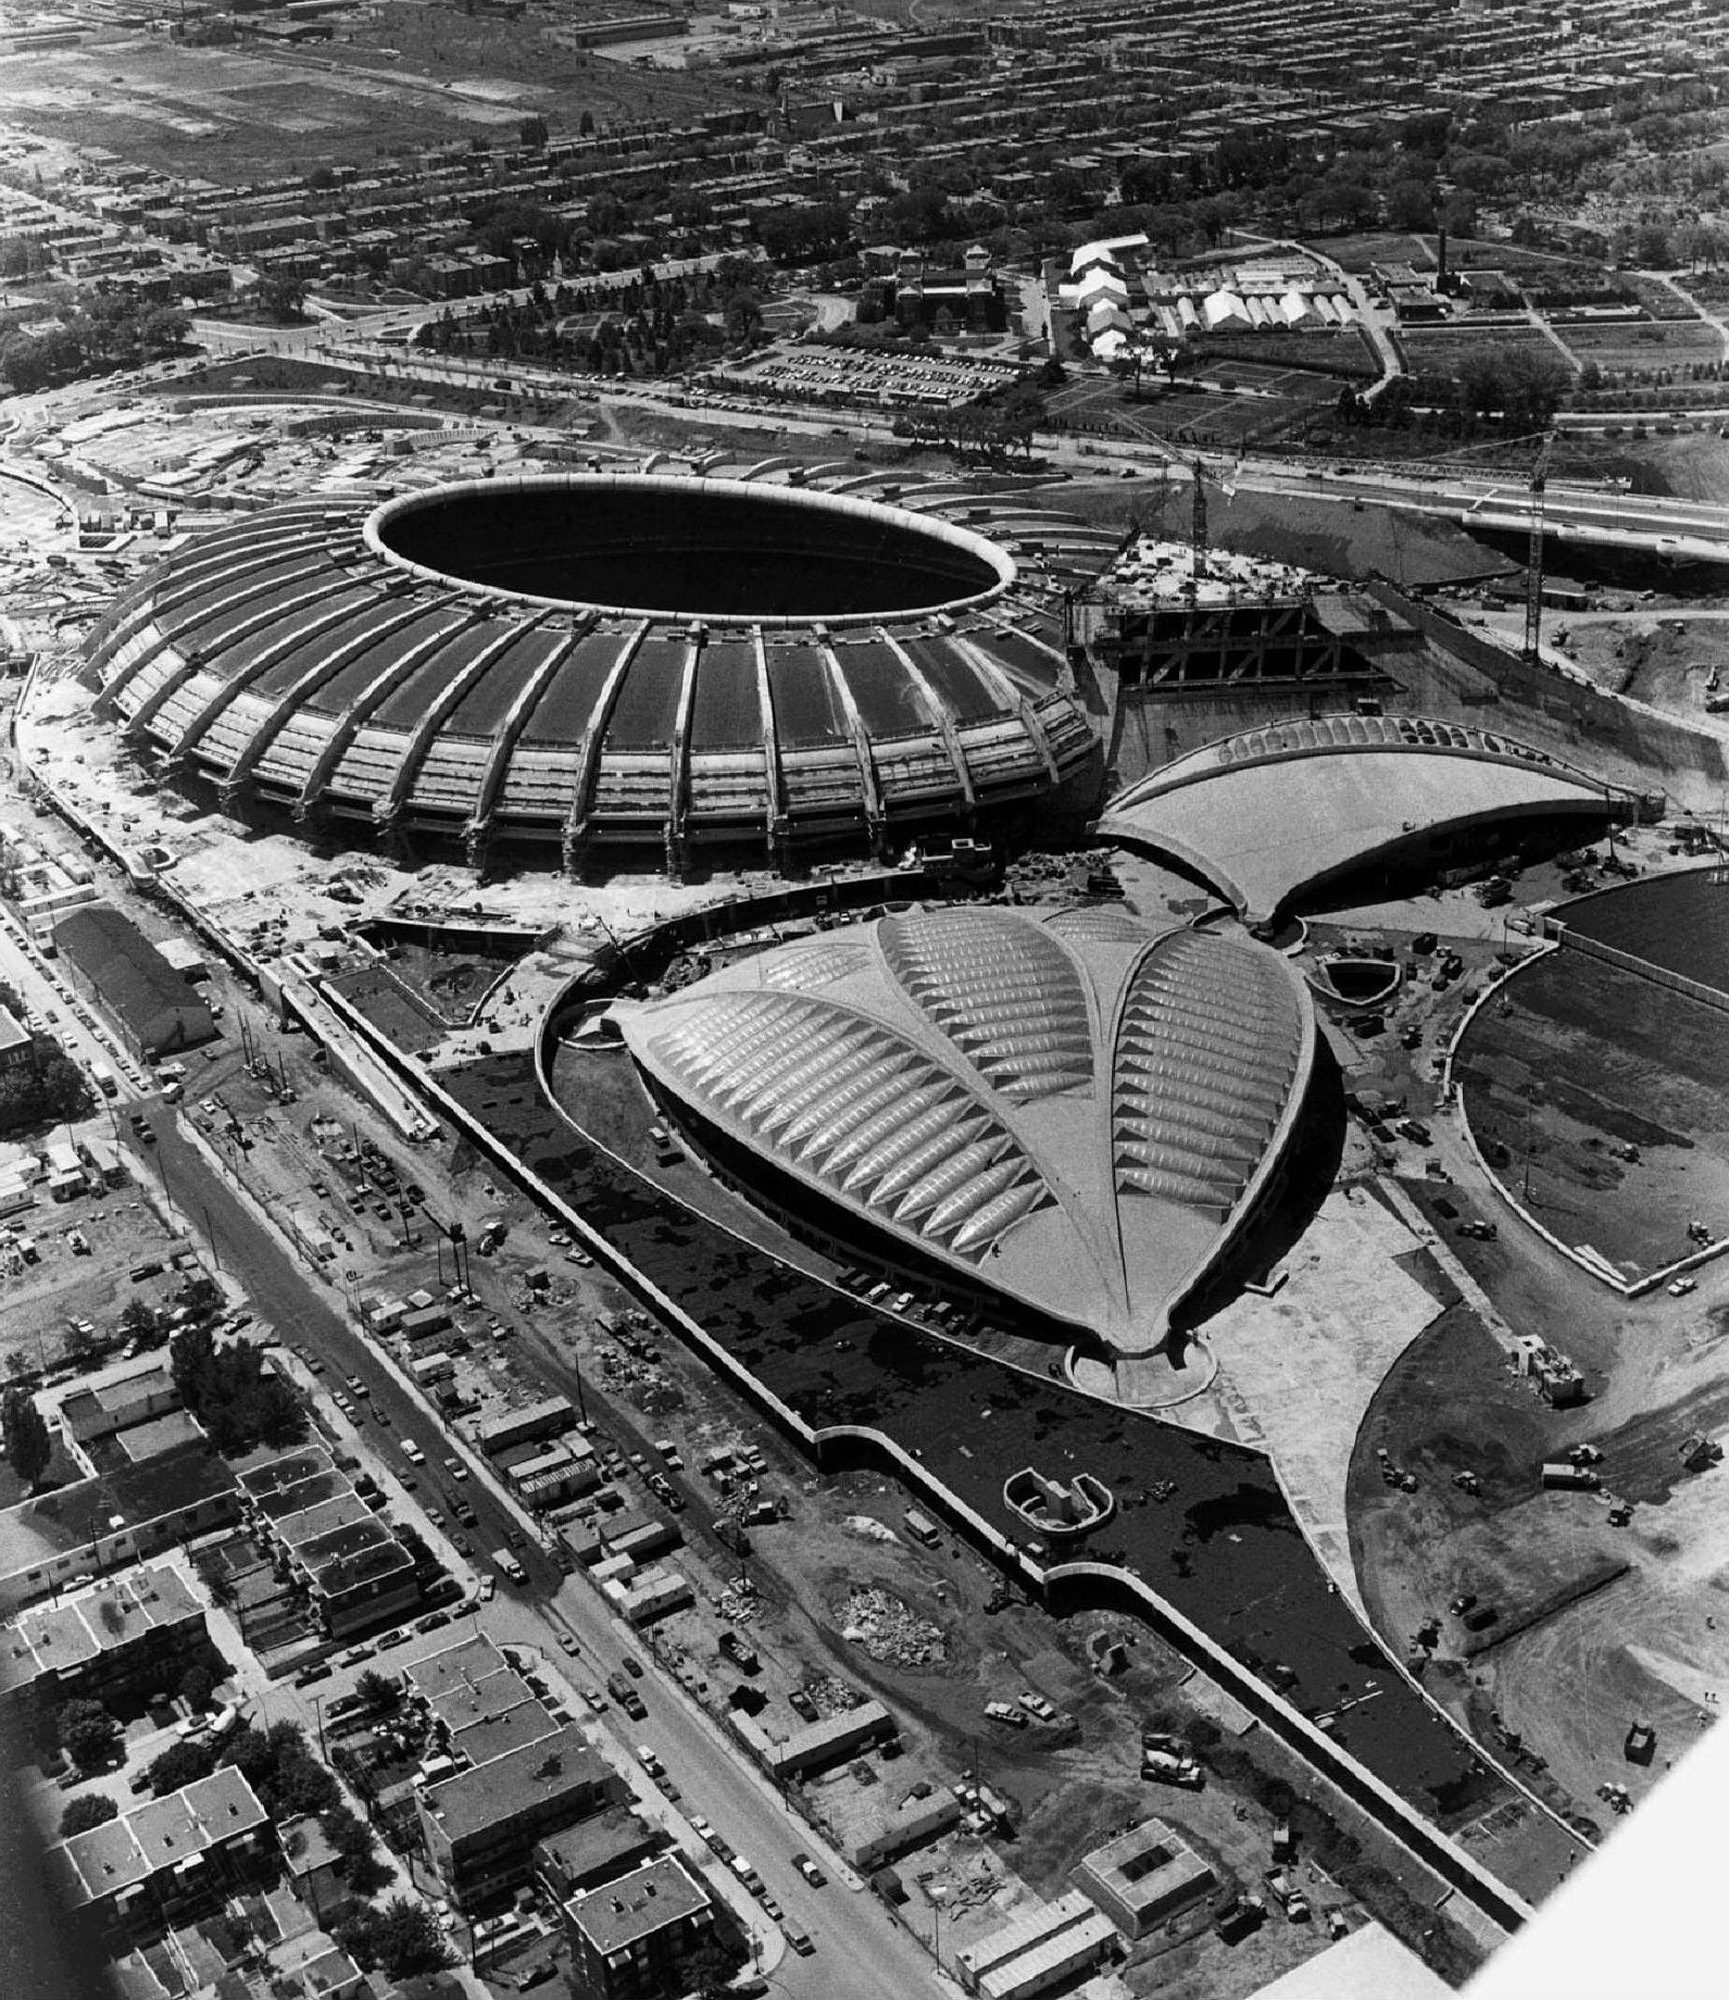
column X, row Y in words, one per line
column 1559, row 1476
column 1283, row 1889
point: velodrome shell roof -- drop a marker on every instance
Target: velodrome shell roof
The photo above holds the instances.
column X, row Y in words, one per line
column 1074, row 1106
column 298, row 658
column 1272, row 811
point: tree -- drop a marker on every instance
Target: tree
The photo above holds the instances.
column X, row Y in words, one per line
column 28, row 1445
column 401, row 1939
column 214, row 1574
column 281, row 297
column 227, row 1389
column 197, row 1684
column 1410, row 204
column 708, row 1971
column 181, row 1764
column 585, row 125
column 532, row 132
column 140, row 1321
column 380, row 1692
column 361, row 1867
column 87, row 1730
column 82, row 1814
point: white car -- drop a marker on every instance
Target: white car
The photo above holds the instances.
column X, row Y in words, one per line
column 1682, row 1286
column 412, row 1452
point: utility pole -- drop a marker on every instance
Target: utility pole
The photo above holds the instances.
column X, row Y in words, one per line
column 1197, row 531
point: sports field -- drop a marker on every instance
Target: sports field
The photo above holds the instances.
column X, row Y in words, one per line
column 1602, row 1100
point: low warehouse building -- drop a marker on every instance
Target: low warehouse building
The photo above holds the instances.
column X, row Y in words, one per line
column 151, row 1004
column 1144, row 1876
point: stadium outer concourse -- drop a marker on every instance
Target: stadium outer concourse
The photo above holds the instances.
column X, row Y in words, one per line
column 623, row 661
column 1073, row 1110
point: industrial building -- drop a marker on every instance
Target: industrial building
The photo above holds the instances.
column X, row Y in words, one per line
column 1072, row 1110
column 110, row 958
column 1144, row 1877
column 1038, row 1950
column 635, row 662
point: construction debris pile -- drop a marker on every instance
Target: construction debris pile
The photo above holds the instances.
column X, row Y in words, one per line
column 739, row 1603
column 891, row 1631
column 829, row 1695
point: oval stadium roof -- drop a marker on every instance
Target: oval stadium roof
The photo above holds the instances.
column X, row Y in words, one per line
column 647, row 659
column 1278, row 810
column 1076, row 1108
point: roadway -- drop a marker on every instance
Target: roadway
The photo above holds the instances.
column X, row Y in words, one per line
column 861, row 1954
column 1683, row 529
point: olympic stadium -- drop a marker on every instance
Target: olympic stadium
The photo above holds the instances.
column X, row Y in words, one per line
column 646, row 664
column 1072, row 1110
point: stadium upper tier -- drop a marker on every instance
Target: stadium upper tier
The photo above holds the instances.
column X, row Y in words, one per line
column 642, row 659
column 1076, row 1108
column 1278, row 811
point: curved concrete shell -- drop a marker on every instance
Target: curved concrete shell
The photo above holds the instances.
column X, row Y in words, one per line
column 1076, row 1109
column 1276, row 812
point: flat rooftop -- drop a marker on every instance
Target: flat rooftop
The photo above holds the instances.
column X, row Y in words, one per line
column 282, row 1503
column 619, row 1914
column 595, row 1845
column 500, row 1734
column 53, row 1524
column 156, row 1435
column 465, row 1664
column 464, row 1702
column 157, row 1836
column 287, row 1470
column 79, row 1629
column 516, row 1783
column 329, row 1516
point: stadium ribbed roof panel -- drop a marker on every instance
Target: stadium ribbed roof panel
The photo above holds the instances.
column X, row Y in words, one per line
column 708, row 661
column 1076, row 1108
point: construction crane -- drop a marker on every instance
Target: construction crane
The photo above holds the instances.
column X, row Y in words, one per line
column 1198, row 530
column 1534, row 556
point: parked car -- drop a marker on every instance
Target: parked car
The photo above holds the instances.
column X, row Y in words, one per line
column 809, row 1870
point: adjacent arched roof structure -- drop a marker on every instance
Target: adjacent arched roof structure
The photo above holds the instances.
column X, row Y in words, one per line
column 1277, row 811
column 1075, row 1108
column 649, row 659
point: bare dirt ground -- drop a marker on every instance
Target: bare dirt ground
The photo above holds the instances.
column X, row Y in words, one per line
column 39, row 1304
column 1582, row 1062
column 406, row 78
column 1656, row 658
column 1695, row 467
